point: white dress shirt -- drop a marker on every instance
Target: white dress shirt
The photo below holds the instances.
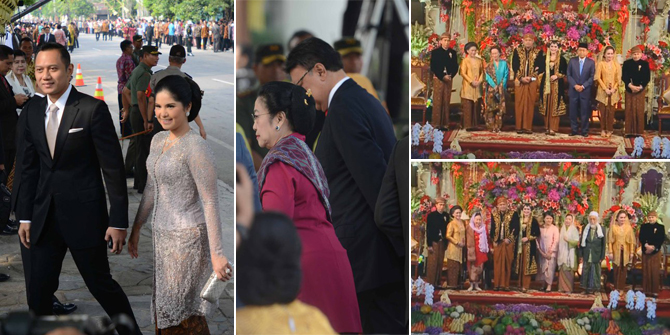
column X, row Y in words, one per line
column 335, row 88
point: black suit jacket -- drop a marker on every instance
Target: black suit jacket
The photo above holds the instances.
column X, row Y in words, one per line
column 71, row 184
column 20, row 148
column 8, row 118
column 52, row 38
column 354, row 148
column 392, row 212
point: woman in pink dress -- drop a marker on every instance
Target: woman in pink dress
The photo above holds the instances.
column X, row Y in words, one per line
column 548, row 249
column 292, row 181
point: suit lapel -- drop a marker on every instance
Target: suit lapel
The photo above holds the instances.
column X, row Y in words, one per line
column 69, row 114
column 39, row 131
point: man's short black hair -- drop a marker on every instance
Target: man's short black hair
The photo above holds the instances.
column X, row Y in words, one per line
column 5, row 52
column 26, row 39
column 64, row 55
column 312, row 51
column 125, row 44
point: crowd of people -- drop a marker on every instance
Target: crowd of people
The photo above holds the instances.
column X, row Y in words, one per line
column 345, row 269
column 558, row 85
column 531, row 245
column 219, row 34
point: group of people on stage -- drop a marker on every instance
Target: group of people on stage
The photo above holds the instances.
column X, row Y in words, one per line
column 516, row 242
column 539, row 78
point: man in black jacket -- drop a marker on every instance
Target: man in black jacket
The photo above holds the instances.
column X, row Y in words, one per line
column 444, row 66
column 70, row 146
column 150, row 32
column 354, row 148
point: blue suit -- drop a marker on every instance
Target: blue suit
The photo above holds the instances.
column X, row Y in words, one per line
column 580, row 102
column 243, row 157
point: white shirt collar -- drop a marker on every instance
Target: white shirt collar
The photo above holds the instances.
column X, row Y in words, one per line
column 61, row 101
column 335, row 88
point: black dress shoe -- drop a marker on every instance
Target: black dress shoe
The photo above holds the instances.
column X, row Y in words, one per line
column 573, row 134
column 496, row 289
column 4, row 277
column 6, row 231
column 586, row 135
column 63, row 309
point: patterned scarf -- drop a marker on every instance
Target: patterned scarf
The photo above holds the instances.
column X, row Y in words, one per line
column 293, row 151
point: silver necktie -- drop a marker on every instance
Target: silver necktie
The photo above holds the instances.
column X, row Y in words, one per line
column 52, row 128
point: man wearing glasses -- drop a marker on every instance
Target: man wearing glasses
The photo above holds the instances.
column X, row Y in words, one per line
column 354, row 148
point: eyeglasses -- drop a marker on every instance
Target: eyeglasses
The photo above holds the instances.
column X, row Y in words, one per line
column 255, row 116
column 299, row 83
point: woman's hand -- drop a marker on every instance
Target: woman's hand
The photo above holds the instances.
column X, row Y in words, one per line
column 554, row 77
column 220, row 265
column 133, row 243
column 524, row 240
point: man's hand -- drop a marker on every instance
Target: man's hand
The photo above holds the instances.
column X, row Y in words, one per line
column 507, row 241
column 554, row 77
column 124, row 115
column 24, row 234
column 525, row 80
column 430, row 250
column 524, row 240
column 148, row 126
column 118, row 237
column 20, row 99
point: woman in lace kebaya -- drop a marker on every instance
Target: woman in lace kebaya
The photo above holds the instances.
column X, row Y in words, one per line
column 186, row 234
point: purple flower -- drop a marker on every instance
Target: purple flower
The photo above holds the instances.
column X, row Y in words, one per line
column 512, row 30
column 595, row 20
column 528, row 29
column 531, row 192
column 553, row 195
column 573, row 33
column 615, row 5
column 497, row 18
column 511, row 193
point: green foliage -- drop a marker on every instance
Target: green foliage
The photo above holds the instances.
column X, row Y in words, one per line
column 71, row 8
column 189, row 9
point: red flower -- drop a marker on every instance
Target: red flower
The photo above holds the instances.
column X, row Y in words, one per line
column 645, row 20
column 662, row 44
column 636, row 204
column 543, row 188
column 587, row 3
column 619, row 183
column 615, row 208
column 492, row 165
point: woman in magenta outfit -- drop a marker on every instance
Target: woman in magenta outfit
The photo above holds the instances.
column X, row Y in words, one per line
column 292, row 181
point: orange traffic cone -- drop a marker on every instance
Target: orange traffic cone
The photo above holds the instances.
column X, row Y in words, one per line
column 98, row 90
column 79, row 77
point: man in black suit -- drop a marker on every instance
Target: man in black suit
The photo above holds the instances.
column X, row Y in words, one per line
column 46, row 37
column 69, row 140
column 354, row 148
column 392, row 212
column 150, row 32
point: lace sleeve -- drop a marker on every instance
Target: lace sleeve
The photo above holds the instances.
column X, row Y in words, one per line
column 148, row 197
column 202, row 166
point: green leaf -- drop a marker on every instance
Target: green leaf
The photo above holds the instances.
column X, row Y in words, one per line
column 553, row 5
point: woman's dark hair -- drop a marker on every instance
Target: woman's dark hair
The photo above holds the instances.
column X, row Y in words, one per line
column 453, row 209
column 569, row 214
column 545, row 214
column 470, row 45
column 557, row 42
column 608, row 47
column 184, row 90
column 280, row 96
column 496, row 48
column 19, row 53
column 268, row 270
column 622, row 211
column 312, row 51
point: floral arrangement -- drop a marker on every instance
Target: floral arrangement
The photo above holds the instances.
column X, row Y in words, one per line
column 421, row 207
column 551, row 192
column 657, row 55
column 634, row 213
column 570, row 26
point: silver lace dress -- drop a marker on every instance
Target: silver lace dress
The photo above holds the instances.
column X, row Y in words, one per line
column 181, row 201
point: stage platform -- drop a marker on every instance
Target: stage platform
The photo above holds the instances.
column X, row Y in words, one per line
column 487, row 143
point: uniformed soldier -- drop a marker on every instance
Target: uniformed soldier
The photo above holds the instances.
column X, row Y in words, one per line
column 140, row 119
column 352, row 60
column 137, row 53
column 176, row 60
column 268, row 66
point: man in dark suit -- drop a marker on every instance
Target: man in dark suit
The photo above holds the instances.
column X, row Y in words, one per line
column 46, row 37
column 8, row 104
column 150, row 32
column 354, row 148
column 581, row 71
column 69, row 140
column 391, row 212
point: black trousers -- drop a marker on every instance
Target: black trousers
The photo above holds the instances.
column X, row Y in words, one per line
column 149, row 38
column 383, row 309
column 46, row 261
column 198, row 41
column 142, row 146
column 127, row 130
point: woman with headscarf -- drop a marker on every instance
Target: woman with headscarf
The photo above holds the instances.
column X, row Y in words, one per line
column 526, row 264
column 548, row 249
column 456, row 238
column 495, row 87
column 472, row 71
column 552, row 88
column 621, row 241
column 593, row 245
column 478, row 249
column 608, row 76
column 567, row 255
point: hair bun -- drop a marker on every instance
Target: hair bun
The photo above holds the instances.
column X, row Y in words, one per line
column 303, row 110
column 196, row 101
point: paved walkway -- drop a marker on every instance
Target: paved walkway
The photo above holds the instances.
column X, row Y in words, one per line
column 134, row 275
